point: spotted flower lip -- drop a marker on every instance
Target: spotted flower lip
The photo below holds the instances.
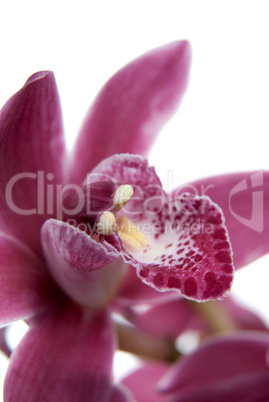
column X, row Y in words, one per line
column 187, row 247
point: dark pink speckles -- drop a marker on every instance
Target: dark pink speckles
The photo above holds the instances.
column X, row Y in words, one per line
column 174, row 283
column 227, row 268
column 219, row 234
column 216, row 286
column 158, row 280
column 223, row 256
column 144, row 272
column 215, row 220
column 191, row 287
column 190, row 253
column 198, row 258
column 222, row 245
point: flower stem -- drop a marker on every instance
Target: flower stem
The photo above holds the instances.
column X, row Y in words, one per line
column 133, row 341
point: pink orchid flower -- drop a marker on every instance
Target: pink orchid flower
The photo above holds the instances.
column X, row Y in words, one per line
column 61, row 279
column 71, row 338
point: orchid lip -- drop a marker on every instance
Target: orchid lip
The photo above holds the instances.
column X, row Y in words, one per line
column 130, row 234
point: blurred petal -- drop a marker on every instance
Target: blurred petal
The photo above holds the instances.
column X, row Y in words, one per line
column 244, row 199
column 253, row 387
column 121, row 394
column 31, row 152
column 74, row 260
column 175, row 317
column 142, row 382
column 243, row 317
column 219, row 361
column 133, row 107
column 25, row 286
column 65, row 356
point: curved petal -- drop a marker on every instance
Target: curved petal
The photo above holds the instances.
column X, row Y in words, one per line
column 135, row 171
column 217, row 362
column 243, row 318
column 25, row 286
column 244, row 199
column 142, row 382
column 65, row 356
column 31, row 157
column 74, row 260
column 175, row 317
column 133, row 107
column 253, row 387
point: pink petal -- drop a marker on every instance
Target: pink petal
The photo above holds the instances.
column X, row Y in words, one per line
column 74, row 260
column 253, row 387
column 25, row 286
column 31, row 157
column 242, row 317
column 187, row 246
column 121, row 394
column 219, row 361
column 133, row 170
column 244, row 199
column 65, row 356
column 133, row 107
column 142, row 382
column 166, row 320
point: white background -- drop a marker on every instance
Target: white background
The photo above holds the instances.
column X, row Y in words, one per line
column 223, row 122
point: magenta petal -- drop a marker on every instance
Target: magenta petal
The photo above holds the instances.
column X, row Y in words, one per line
column 31, row 156
column 142, row 382
column 121, row 394
column 74, row 260
column 167, row 320
column 253, row 387
column 25, row 286
column 219, row 361
column 65, row 356
column 244, row 199
column 133, row 107
column 243, row 318
column 133, row 170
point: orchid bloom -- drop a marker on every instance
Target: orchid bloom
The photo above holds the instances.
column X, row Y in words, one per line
column 74, row 230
